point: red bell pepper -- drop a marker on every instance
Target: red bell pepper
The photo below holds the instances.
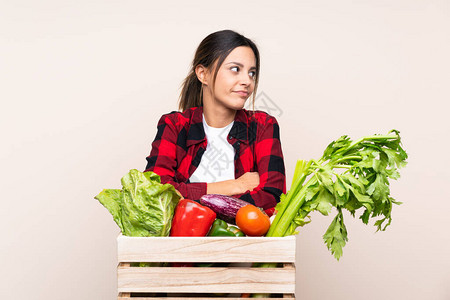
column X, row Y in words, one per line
column 191, row 219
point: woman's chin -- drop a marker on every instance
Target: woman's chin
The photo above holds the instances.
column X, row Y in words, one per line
column 232, row 103
column 237, row 105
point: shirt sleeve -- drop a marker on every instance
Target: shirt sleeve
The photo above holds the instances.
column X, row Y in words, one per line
column 163, row 160
column 270, row 166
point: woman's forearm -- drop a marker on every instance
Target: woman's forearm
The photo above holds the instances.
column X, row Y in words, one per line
column 228, row 187
column 246, row 182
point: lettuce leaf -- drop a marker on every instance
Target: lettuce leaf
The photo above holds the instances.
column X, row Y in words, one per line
column 144, row 206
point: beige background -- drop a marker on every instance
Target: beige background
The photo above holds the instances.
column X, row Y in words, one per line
column 83, row 83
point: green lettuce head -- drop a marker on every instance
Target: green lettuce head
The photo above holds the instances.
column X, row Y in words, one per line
column 144, row 206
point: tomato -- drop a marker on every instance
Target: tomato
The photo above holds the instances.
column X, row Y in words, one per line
column 252, row 221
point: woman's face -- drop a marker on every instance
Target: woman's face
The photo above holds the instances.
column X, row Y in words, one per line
column 235, row 79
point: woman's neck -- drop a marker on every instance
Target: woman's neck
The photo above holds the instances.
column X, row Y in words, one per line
column 218, row 116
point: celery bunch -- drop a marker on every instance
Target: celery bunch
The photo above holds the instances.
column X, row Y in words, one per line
column 350, row 175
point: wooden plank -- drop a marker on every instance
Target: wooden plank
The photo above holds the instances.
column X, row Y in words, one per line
column 206, row 280
column 287, row 296
column 206, row 249
column 124, row 295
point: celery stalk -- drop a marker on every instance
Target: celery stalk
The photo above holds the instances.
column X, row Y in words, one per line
column 350, row 175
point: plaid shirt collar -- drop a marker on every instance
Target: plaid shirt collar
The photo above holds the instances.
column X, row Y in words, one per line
column 196, row 132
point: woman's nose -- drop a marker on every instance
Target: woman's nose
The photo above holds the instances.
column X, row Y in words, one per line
column 245, row 79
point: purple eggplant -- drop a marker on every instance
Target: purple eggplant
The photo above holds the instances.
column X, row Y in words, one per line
column 226, row 207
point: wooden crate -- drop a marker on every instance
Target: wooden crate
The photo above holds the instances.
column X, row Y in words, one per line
column 198, row 282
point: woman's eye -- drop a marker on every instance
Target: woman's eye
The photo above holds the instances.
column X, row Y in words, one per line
column 252, row 73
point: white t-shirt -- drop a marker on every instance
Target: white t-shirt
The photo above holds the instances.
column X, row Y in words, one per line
column 217, row 162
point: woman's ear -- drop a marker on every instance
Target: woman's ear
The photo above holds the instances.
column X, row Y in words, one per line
column 202, row 74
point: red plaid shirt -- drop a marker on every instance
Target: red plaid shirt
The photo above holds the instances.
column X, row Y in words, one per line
column 180, row 143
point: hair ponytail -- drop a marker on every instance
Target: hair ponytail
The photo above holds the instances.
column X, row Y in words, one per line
column 191, row 92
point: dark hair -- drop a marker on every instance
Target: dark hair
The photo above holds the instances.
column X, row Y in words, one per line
column 215, row 47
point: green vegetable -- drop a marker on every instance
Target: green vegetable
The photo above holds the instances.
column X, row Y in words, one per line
column 236, row 231
column 221, row 228
column 350, row 175
column 144, row 206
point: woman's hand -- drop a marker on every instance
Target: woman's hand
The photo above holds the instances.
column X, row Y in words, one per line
column 247, row 182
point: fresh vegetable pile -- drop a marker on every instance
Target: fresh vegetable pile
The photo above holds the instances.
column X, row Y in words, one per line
column 145, row 207
column 351, row 175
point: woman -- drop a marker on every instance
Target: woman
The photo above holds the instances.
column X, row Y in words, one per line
column 215, row 146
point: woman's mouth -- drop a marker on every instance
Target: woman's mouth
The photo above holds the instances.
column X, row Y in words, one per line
column 242, row 93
